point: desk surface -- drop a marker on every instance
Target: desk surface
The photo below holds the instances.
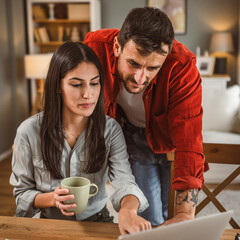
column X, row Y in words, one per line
column 35, row 228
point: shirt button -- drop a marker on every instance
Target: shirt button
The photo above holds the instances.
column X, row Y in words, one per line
column 146, row 97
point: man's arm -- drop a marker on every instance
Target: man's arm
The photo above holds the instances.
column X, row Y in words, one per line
column 185, row 126
column 186, row 202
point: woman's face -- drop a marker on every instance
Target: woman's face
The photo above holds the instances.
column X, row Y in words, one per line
column 80, row 90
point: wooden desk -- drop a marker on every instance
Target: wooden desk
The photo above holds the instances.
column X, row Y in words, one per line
column 35, row 228
column 14, row 228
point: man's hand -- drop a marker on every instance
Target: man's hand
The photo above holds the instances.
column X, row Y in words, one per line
column 129, row 221
column 186, row 202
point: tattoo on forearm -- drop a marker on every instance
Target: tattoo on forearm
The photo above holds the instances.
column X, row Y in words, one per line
column 190, row 196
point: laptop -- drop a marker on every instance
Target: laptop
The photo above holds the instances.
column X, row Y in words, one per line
column 209, row 227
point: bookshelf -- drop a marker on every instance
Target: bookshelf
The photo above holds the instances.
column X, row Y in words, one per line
column 52, row 22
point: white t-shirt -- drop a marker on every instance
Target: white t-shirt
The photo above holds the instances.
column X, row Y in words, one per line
column 133, row 106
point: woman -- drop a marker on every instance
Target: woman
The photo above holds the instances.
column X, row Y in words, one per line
column 73, row 137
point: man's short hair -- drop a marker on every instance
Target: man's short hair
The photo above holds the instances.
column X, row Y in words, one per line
column 149, row 28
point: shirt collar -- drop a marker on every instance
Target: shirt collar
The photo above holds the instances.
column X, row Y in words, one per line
column 114, row 62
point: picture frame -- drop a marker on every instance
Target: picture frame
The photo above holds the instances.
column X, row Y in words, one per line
column 205, row 65
column 176, row 11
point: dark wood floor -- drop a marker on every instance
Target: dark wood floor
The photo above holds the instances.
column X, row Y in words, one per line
column 7, row 201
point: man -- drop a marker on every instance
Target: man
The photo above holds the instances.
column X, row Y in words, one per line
column 151, row 81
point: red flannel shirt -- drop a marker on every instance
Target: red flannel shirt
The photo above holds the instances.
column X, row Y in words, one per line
column 172, row 106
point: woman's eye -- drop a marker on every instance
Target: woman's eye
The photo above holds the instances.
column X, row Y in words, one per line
column 95, row 83
column 76, row 85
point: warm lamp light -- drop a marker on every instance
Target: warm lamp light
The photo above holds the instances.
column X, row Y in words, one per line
column 221, row 42
column 36, row 67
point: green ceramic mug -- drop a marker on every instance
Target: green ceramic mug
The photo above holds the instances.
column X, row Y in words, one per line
column 80, row 188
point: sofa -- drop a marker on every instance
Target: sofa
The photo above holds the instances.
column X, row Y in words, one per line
column 221, row 124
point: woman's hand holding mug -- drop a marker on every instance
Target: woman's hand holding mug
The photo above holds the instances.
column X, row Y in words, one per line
column 59, row 197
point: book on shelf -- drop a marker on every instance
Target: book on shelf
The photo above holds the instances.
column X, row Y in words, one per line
column 39, row 12
column 37, row 35
column 43, row 34
column 60, row 33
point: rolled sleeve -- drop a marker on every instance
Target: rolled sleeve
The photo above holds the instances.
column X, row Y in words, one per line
column 25, row 204
column 22, row 178
column 117, row 196
column 120, row 173
column 185, row 124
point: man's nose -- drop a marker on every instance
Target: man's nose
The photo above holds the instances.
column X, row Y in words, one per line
column 140, row 76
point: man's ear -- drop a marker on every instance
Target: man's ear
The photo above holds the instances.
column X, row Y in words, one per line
column 116, row 47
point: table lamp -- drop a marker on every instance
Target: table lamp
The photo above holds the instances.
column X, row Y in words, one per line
column 221, row 42
column 36, row 67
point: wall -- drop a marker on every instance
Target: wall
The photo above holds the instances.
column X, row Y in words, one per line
column 13, row 86
column 206, row 17
column 114, row 11
column 203, row 18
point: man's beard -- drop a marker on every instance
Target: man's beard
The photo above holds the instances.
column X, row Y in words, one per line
column 129, row 89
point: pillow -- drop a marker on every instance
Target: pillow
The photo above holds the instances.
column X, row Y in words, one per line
column 220, row 108
column 236, row 125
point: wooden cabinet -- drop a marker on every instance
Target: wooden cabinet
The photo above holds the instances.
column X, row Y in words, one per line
column 51, row 22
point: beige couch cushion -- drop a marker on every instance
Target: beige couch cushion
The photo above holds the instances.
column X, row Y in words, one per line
column 221, row 108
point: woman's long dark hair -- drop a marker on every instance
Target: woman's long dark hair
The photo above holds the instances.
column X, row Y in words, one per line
column 66, row 58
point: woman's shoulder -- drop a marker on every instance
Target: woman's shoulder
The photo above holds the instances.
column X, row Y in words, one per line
column 30, row 125
column 113, row 133
column 112, row 127
column 111, row 123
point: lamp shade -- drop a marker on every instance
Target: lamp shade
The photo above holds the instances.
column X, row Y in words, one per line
column 36, row 65
column 221, row 42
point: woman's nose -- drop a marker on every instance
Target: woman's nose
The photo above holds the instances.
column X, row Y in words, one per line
column 86, row 93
